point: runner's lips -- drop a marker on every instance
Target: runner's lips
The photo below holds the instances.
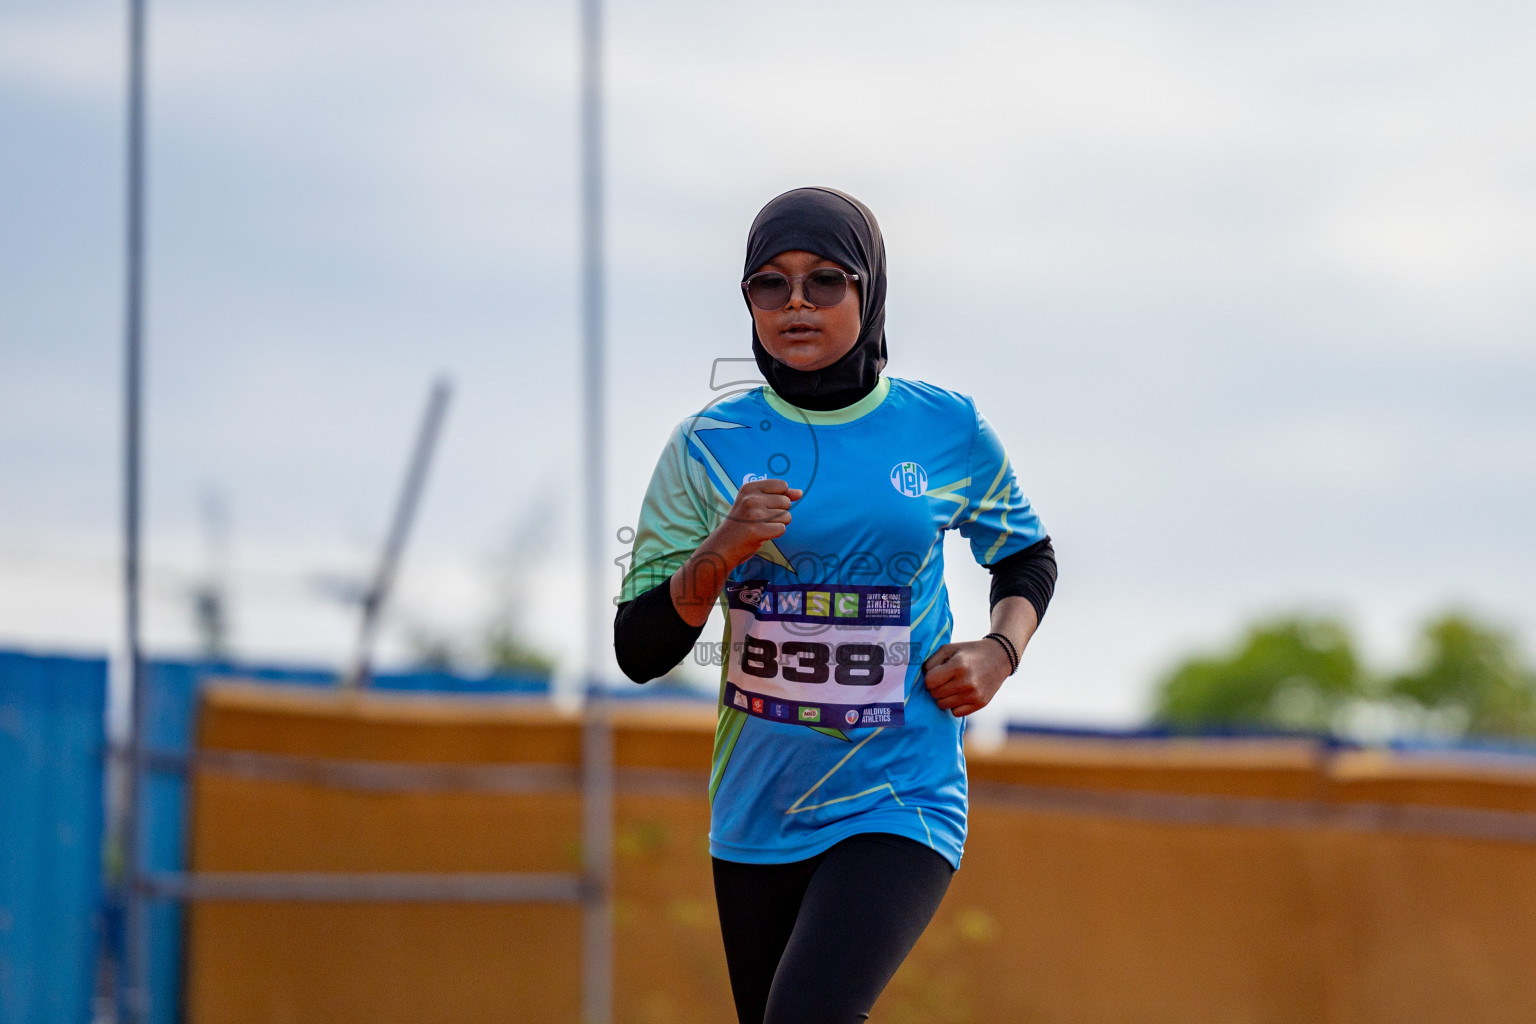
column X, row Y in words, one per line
column 800, row 327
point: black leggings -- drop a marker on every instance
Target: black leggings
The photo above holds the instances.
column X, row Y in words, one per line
column 815, row 942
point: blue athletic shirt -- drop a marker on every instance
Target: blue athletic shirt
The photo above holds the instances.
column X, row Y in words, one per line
column 825, row 729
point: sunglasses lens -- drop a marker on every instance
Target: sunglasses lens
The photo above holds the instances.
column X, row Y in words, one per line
column 825, row 287
column 768, row 291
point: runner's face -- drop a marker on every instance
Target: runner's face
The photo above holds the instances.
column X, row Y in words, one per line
column 800, row 335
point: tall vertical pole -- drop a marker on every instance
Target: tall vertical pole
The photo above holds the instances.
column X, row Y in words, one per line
column 597, row 734
column 136, row 941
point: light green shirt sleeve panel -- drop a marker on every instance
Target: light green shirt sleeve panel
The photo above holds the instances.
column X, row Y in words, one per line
column 1001, row 520
column 678, row 513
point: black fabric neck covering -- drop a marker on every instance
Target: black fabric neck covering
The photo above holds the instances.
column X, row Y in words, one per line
column 839, row 228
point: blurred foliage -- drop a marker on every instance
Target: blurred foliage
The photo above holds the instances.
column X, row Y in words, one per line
column 507, row 651
column 431, row 652
column 1473, row 673
column 501, row 643
column 504, row 643
column 501, row 649
column 1302, row 672
column 1292, row 673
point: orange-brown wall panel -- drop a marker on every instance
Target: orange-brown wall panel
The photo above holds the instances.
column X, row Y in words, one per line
column 1088, row 914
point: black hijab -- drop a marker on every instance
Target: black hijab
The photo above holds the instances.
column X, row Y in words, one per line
column 839, row 228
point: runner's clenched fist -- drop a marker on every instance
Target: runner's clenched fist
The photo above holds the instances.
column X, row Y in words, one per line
column 760, row 513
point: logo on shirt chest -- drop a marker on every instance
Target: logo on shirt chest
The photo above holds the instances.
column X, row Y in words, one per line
column 910, row 479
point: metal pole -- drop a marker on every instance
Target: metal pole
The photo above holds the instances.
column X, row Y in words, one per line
column 597, row 735
column 136, row 941
column 405, row 512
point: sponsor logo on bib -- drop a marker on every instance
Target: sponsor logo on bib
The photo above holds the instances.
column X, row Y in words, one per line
column 851, row 716
column 789, row 602
column 818, row 602
column 910, row 479
column 885, row 606
column 810, row 714
column 741, row 699
column 757, row 705
column 846, row 606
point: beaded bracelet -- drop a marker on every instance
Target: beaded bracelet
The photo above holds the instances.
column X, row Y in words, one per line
column 1008, row 649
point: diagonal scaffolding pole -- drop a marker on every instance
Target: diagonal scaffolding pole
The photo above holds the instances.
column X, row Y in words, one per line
column 358, row 675
column 597, row 732
column 135, row 984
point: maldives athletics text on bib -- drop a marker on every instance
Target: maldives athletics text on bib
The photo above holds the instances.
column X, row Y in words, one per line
column 819, row 654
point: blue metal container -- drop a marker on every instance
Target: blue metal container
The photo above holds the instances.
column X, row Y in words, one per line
column 170, row 709
column 52, row 760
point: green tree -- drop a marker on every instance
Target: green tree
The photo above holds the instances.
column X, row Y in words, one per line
column 431, row 651
column 505, row 645
column 1294, row 672
column 501, row 649
column 1472, row 676
column 506, row 650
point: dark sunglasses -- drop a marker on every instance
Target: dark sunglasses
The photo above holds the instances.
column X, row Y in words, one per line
column 824, row 286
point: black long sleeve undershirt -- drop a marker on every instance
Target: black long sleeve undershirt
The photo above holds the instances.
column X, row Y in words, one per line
column 1030, row 574
column 650, row 638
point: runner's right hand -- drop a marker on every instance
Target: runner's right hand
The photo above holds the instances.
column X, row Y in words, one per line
column 760, row 513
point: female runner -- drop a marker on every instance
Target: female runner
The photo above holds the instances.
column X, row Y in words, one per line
column 838, row 789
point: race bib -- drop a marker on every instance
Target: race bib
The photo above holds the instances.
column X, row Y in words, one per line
column 833, row 655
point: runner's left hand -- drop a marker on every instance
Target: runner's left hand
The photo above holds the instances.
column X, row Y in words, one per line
column 964, row 677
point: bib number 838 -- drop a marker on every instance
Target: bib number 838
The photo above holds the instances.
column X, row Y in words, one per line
column 797, row 661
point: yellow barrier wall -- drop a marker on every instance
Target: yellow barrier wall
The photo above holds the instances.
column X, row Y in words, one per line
column 1103, row 881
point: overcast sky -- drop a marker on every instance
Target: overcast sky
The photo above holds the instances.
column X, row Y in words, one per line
column 1247, row 290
